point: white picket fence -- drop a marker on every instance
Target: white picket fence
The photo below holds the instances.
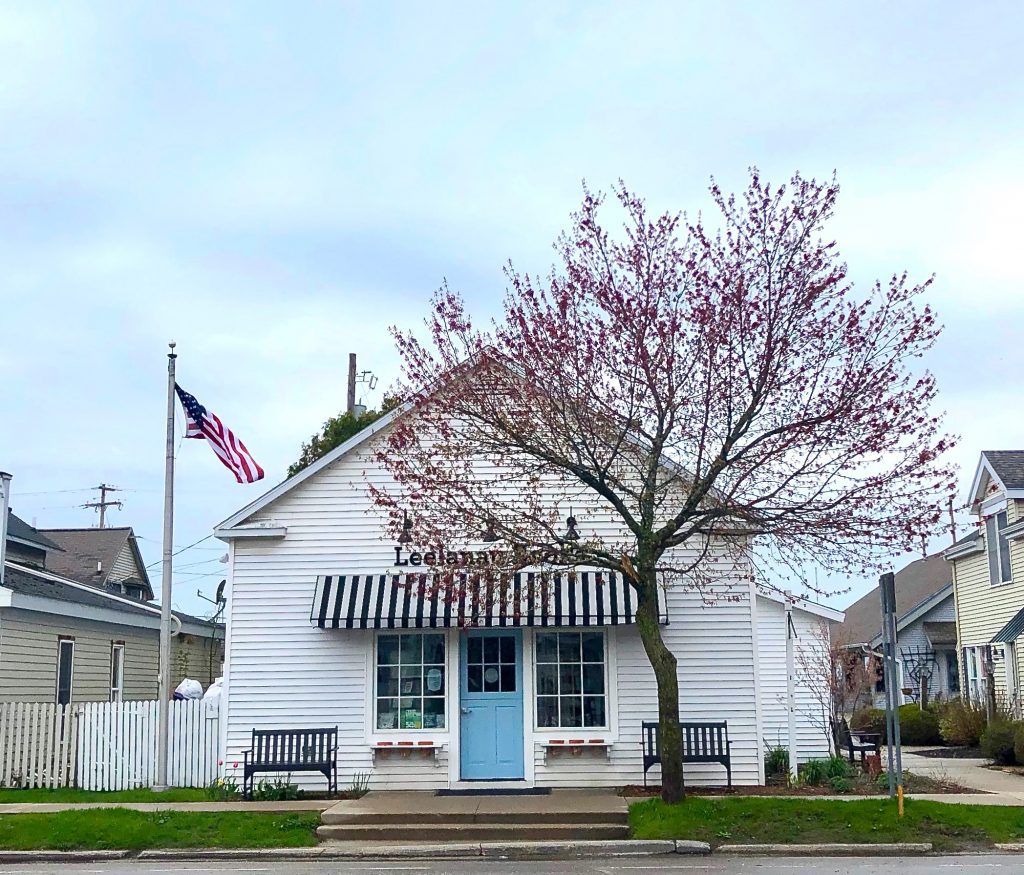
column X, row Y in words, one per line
column 106, row 745
column 37, row 744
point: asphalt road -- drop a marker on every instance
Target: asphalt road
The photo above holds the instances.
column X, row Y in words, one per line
column 985, row 864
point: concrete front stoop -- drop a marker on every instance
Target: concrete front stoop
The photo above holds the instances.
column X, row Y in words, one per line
column 411, row 817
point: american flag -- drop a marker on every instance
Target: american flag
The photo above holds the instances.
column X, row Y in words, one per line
column 202, row 423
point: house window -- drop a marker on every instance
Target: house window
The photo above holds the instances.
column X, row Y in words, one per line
column 952, row 672
column 571, row 688
column 116, row 671
column 410, row 681
column 998, row 546
column 65, row 669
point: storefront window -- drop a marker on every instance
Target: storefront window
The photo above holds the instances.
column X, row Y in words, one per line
column 410, row 681
column 571, row 680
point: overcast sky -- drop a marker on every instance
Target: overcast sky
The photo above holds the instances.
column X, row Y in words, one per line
column 271, row 185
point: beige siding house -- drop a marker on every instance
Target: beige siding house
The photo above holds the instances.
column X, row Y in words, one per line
column 988, row 581
column 76, row 623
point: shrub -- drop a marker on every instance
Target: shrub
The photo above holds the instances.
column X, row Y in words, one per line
column 840, row 784
column 917, row 726
column 1018, row 744
column 815, row 772
column 997, row 741
column 275, row 791
column 961, row 723
column 838, row 767
column 869, row 720
column 776, row 761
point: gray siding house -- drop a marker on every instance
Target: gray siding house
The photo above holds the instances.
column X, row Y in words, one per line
column 76, row 623
column 925, row 630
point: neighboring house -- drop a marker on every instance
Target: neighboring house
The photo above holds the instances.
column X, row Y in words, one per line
column 106, row 558
column 65, row 641
column 988, row 581
column 326, row 628
column 925, row 630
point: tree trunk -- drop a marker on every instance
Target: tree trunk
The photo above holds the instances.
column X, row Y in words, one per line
column 663, row 661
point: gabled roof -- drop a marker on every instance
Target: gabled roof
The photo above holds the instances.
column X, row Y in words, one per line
column 19, row 530
column 1002, row 468
column 920, row 586
column 85, row 550
column 307, row 472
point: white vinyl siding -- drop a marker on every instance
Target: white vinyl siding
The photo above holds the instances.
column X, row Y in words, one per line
column 811, row 660
column 283, row 672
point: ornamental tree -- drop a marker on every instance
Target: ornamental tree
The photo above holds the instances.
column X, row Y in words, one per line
column 723, row 395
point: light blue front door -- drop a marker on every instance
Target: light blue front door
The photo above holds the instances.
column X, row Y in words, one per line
column 491, row 712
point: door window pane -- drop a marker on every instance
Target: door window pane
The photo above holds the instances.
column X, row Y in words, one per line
column 410, row 681
column 571, row 687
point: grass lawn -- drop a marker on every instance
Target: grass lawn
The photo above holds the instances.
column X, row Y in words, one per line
column 799, row 821
column 123, row 829
column 72, row 794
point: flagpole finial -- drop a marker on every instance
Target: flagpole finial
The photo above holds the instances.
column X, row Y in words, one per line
column 172, row 354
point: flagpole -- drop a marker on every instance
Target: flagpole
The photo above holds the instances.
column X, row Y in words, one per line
column 164, row 687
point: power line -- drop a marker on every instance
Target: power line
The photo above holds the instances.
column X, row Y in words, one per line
column 182, row 550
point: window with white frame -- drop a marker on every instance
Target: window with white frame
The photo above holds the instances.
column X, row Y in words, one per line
column 571, row 680
column 410, row 690
column 998, row 546
column 116, row 671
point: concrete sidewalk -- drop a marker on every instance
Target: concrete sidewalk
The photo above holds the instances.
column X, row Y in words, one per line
column 285, row 807
column 1005, row 789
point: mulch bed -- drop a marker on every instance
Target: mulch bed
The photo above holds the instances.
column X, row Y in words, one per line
column 956, row 753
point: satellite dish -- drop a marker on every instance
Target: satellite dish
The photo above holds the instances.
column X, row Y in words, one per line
column 219, row 598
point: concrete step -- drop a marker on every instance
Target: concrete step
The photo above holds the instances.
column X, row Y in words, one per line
column 471, row 832
column 339, row 815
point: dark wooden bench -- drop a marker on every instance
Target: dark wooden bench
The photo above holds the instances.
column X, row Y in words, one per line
column 702, row 743
column 292, row 750
column 857, row 742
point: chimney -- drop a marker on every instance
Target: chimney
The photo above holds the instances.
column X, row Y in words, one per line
column 5, row 504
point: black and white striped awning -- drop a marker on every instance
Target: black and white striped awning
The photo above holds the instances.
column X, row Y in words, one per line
column 386, row 601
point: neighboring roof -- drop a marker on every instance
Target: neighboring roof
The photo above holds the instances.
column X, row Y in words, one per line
column 45, row 584
column 85, row 548
column 1012, row 630
column 1000, row 474
column 968, row 545
column 916, row 584
column 801, row 604
column 29, row 582
column 1008, row 466
column 18, row 529
column 941, row 632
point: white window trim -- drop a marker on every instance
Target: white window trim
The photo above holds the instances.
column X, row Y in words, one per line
column 545, row 732
column 996, row 546
column 117, row 693
column 71, row 678
column 424, row 732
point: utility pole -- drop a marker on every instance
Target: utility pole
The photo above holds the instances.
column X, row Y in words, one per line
column 103, row 504
column 350, row 406
column 952, row 523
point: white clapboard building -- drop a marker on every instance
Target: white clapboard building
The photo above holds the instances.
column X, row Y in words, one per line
column 322, row 631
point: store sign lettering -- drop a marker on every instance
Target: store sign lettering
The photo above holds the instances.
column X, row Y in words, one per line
column 455, row 558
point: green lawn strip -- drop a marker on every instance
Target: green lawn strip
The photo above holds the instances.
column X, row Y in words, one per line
column 72, row 794
column 719, row 821
column 124, row 829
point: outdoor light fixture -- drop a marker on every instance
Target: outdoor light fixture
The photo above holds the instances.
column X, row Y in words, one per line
column 489, row 536
column 571, row 533
column 406, row 536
